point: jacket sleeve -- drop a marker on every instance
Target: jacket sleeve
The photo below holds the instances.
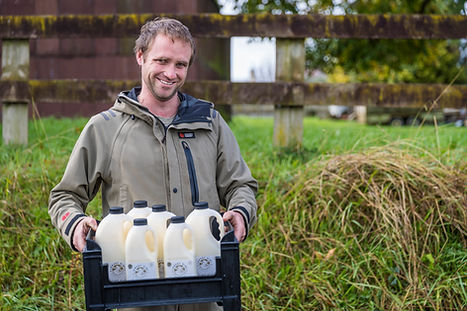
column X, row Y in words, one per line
column 80, row 183
column 236, row 186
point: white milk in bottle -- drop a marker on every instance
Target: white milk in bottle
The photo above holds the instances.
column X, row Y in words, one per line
column 179, row 255
column 141, row 251
column 201, row 220
column 158, row 220
column 140, row 209
column 111, row 235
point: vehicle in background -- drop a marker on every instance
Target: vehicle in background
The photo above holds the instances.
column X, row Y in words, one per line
column 399, row 116
column 394, row 116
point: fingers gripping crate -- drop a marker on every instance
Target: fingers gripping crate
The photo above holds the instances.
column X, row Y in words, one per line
column 223, row 287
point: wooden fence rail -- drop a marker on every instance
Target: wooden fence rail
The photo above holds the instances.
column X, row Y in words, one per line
column 253, row 93
column 289, row 94
column 381, row 26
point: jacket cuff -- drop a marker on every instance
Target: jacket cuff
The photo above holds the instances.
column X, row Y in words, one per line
column 70, row 229
column 246, row 217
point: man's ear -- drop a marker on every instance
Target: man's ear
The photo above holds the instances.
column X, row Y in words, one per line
column 140, row 57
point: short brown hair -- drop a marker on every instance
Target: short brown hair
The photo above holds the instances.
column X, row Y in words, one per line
column 166, row 26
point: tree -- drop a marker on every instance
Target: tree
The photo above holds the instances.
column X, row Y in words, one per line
column 377, row 60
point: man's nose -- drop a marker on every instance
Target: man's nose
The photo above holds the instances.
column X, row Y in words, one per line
column 170, row 72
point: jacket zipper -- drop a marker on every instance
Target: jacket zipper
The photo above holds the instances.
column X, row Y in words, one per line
column 164, row 154
column 191, row 173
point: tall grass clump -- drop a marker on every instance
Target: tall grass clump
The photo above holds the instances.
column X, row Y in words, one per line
column 380, row 229
column 38, row 271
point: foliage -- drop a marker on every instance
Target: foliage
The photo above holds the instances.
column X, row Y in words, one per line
column 374, row 230
column 374, row 60
column 298, row 256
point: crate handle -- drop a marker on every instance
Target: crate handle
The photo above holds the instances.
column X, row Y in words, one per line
column 91, row 244
column 229, row 236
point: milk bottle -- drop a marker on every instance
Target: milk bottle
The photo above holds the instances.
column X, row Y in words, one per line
column 207, row 246
column 158, row 220
column 179, row 255
column 111, row 235
column 141, row 251
column 140, row 209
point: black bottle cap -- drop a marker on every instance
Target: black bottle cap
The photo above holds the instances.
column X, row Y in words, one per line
column 201, row 205
column 159, row 208
column 177, row 219
column 140, row 204
column 116, row 210
column 140, row 221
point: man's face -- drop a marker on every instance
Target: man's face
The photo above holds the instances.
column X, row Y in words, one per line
column 164, row 66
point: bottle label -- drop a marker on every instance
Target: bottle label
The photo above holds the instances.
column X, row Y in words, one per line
column 206, row 265
column 179, row 268
column 141, row 271
column 116, row 271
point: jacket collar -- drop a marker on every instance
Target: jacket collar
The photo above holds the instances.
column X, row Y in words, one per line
column 190, row 110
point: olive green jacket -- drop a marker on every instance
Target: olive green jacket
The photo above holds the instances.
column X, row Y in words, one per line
column 129, row 152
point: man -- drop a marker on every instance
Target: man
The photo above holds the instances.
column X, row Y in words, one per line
column 156, row 144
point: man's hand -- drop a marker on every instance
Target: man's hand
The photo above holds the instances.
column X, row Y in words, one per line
column 81, row 231
column 238, row 224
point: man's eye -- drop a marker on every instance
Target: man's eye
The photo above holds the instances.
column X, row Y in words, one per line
column 181, row 65
column 161, row 61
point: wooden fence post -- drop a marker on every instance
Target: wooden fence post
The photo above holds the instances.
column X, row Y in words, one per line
column 15, row 67
column 288, row 117
column 361, row 112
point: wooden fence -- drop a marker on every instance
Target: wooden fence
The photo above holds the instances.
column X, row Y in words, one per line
column 289, row 94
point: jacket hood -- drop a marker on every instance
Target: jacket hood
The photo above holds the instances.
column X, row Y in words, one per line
column 190, row 110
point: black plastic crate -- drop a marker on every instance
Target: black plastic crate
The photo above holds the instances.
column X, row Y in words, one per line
column 223, row 288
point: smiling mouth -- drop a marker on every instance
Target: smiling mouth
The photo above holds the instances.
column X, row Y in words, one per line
column 166, row 82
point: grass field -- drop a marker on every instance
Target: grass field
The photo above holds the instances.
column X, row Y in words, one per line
column 360, row 218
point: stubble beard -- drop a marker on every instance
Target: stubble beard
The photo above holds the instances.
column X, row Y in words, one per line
column 152, row 88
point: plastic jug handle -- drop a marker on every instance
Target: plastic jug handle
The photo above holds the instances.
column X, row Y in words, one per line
column 220, row 221
column 126, row 228
column 151, row 241
column 188, row 237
